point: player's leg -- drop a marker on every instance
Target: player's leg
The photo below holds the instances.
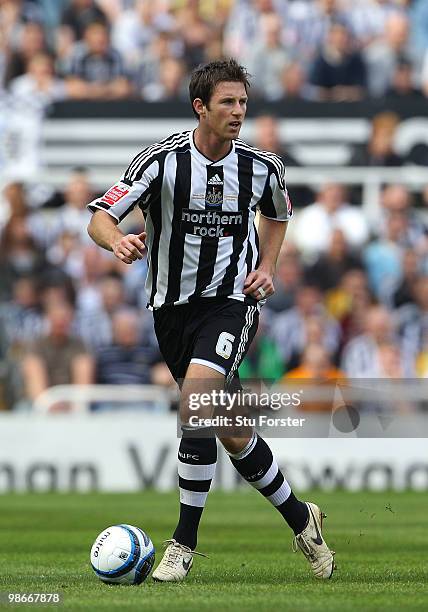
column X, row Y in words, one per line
column 249, row 453
column 256, row 464
column 253, row 459
column 197, row 456
column 176, row 328
column 207, row 337
column 213, row 332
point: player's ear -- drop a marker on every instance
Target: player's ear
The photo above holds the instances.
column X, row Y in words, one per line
column 199, row 107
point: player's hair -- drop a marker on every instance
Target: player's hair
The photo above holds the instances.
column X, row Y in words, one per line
column 206, row 76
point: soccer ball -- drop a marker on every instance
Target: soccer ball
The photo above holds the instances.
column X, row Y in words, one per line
column 122, row 554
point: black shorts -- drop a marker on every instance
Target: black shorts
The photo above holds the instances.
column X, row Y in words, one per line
column 215, row 332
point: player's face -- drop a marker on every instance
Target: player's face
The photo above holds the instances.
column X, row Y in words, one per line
column 226, row 110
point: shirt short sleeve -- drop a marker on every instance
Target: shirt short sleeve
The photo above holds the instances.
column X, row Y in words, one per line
column 275, row 202
column 123, row 196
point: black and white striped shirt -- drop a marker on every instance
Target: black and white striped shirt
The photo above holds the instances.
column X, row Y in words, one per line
column 201, row 237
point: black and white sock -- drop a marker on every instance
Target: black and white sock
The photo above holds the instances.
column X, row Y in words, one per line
column 256, row 464
column 197, row 459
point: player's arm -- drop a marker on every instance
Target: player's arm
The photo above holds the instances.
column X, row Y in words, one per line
column 271, row 236
column 116, row 204
column 275, row 208
column 103, row 230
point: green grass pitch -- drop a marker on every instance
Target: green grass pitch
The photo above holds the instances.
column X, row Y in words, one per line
column 381, row 540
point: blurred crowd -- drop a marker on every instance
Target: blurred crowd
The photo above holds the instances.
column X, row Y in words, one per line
column 351, row 295
column 351, row 292
column 338, row 50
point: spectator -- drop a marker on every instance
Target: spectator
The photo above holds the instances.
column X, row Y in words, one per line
column 128, row 359
column 339, row 72
column 20, row 318
column 31, row 42
column 170, row 84
column 317, row 369
column 65, row 253
column 243, row 26
column 379, row 151
column 307, row 25
column 315, row 223
column 21, row 322
column 134, row 277
column 397, row 199
column 413, row 322
column 79, row 14
column 294, row 83
column 288, row 278
column 419, row 28
column 383, row 54
column 402, row 81
column 94, row 267
column 390, row 361
column 388, row 365
column 134, row 30
column 94, row 322
column 19, row 254
column 56, row 358
column 368, row 18
column 96, row 69
column 73, row 216
column 38, row 87
column 410, row 270
column 13, row 202
column 194, row 32
column 269, row 58
column 382, row 257
column 362, row 356
column 147, row 73
column 289, row 329
column 14, row 14
column 267, row 138
column 348, row 303
column 316, row 364
column 57, row 288
column 51, row 12
column 327, row 271
column 263, row 360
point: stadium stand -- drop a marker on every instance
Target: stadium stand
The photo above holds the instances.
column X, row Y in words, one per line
column 85, row 84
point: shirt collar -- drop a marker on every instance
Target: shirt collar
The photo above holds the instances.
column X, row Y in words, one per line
column 205, row 160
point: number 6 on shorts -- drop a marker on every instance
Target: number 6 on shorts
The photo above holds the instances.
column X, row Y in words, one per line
column 224, row 345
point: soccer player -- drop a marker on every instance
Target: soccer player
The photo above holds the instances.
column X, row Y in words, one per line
column 209, row 272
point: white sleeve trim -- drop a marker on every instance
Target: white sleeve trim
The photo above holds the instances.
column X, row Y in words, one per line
column 109, row 212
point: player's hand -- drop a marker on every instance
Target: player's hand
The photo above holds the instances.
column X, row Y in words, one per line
column 130, row 247
column 259, row 285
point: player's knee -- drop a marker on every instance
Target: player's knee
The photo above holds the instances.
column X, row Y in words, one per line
column 191, row 409
column 234, row 445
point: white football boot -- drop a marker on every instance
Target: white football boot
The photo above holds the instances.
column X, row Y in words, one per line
column 176, row 562
column 313, row 546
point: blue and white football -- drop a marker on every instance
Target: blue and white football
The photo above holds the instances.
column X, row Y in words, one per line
column 122, row 554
